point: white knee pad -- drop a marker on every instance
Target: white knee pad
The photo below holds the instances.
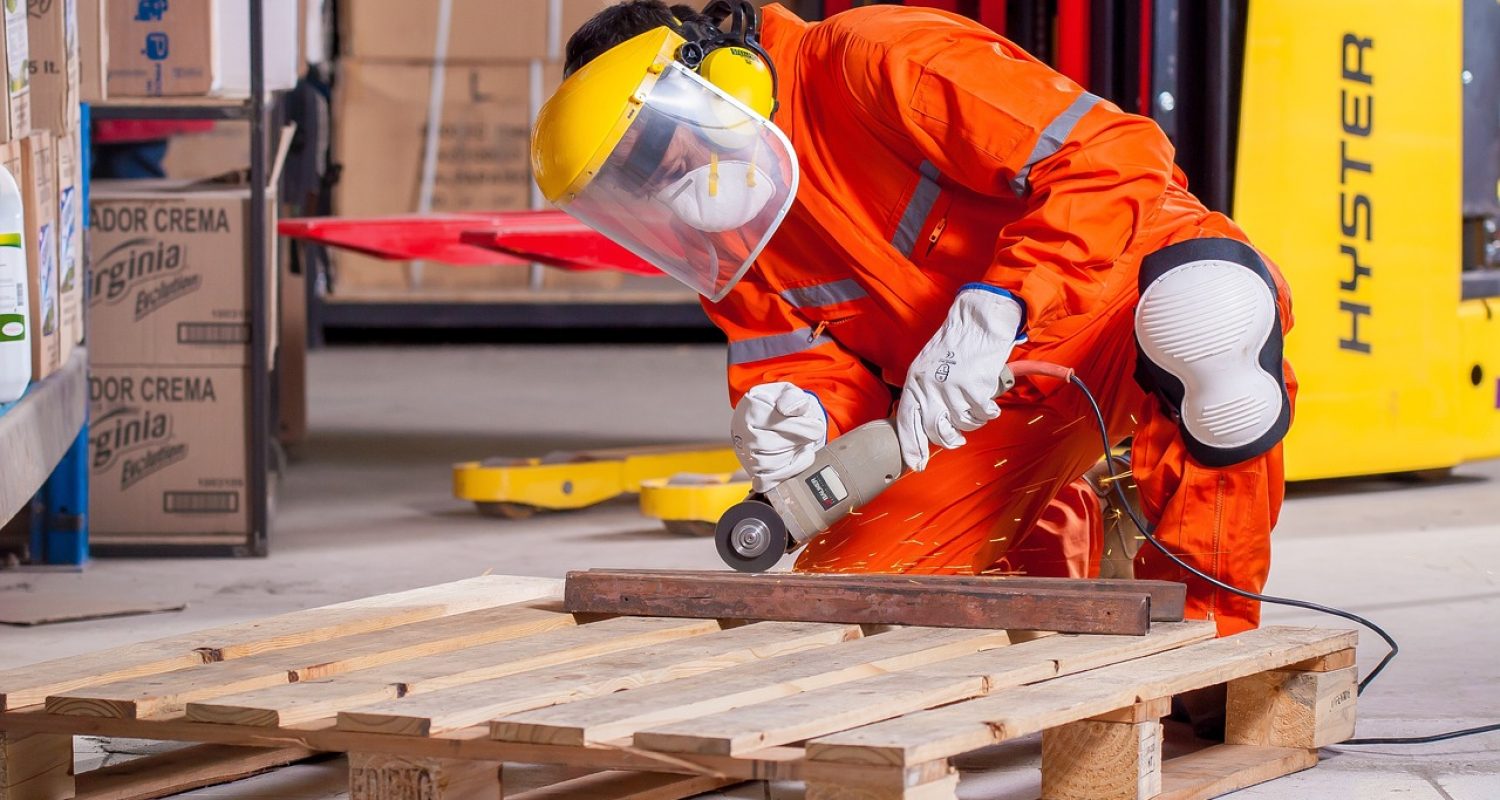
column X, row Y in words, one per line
column 1210, row 346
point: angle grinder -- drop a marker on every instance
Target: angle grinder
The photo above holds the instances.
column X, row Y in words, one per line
column 847, row 473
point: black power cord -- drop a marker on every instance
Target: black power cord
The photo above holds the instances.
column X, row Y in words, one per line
column 1150, row 535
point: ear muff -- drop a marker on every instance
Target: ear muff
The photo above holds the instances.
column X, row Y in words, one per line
column 735, row 61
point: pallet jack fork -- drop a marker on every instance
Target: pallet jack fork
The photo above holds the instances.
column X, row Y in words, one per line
column 516, row 488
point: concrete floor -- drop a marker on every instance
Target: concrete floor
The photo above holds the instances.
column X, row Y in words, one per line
column 365, row 508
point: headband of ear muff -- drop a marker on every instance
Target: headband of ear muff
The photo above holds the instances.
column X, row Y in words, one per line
column 757, row 79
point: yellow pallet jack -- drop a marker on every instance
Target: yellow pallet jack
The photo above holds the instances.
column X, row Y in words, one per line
column 690, row 504
column 517, row 488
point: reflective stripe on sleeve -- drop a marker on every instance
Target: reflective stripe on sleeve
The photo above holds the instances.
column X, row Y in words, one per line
column 1052, row 138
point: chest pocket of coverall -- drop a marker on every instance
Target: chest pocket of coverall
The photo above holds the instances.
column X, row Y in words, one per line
column 956, row 232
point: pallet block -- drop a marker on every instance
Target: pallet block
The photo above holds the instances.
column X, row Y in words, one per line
column 36, row 766
column 379, row 776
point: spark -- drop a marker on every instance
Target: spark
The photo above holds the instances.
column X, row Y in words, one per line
column 1038, row 419
column 1133, row 420
column 912, row 517
column 1017, row 519
column 1001, row 463
column 855, row 514
column 872, row 519
column 1001, row 539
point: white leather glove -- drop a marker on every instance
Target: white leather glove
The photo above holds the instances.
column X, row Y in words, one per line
column 951, row 384
column 777, row 427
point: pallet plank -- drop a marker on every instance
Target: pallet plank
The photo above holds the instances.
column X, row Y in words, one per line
column 1226, row 768
column 183, row 770
column 169, row 692
column 469, row 705
column 944, row 732
column 474, row 744
column 870, row 700
column 621, row 714
column 963, row 607
column 1168, row 598
column 30, row 685
column 301, row 702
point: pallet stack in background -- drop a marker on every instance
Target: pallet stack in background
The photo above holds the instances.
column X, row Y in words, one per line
column 478, row 83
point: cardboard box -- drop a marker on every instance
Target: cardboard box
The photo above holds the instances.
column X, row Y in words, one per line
column 483, row 155
column 196, row 48
column 17, row 122
column 39, row 196
column 93, row 52
column 207, row 154
column 167, row 451
column 52, row 38
column 70, row 265
column 478, row 30
column 167, row 273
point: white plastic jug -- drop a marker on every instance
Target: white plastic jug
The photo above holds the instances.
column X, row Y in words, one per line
column 15, row 320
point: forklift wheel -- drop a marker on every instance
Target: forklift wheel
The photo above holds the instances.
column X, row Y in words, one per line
column 506, row 510
column 689, row 527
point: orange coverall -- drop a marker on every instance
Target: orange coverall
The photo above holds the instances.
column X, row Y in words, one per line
column 936, row 153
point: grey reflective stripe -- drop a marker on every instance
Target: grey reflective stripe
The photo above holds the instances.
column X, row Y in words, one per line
column 823, row 294
column 1053, row 136
column 781, row 344
column 923, row 198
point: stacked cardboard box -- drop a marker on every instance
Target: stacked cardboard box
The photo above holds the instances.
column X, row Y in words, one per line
column 160, row 48
column 55, row 91
column 488, row 72
column 169, row 354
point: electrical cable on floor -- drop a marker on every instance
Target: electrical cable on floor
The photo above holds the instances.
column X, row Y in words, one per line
column 1150, row 535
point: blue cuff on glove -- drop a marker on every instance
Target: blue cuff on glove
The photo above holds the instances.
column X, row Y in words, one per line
column 985, row 287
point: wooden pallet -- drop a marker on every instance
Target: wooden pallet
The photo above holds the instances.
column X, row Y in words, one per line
column 429, row 692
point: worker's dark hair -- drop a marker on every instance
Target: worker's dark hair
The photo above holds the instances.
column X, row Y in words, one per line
column 627, row 20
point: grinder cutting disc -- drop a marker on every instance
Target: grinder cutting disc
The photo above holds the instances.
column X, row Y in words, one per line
column 751, row 536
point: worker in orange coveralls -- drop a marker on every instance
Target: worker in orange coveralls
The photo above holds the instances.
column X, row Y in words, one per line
column 953, row 204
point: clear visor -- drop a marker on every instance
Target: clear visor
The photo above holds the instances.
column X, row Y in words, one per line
column 696, row 186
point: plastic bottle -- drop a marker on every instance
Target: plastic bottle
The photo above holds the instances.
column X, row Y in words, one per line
column 15, row 322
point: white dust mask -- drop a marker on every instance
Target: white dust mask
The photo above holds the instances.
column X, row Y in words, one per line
column 719, row 196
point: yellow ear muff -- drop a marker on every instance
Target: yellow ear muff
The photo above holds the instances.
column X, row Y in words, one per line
column 743, row 75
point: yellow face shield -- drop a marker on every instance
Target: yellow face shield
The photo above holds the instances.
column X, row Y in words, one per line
column 689, row 178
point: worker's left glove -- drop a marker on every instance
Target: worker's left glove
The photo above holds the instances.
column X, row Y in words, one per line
column 951, row 384
column 777, row 430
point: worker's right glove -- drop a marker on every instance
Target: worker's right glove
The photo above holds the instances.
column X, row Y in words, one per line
column 777, row 429
column 951, row 385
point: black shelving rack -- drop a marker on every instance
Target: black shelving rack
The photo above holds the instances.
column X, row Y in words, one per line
column 252, row 109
